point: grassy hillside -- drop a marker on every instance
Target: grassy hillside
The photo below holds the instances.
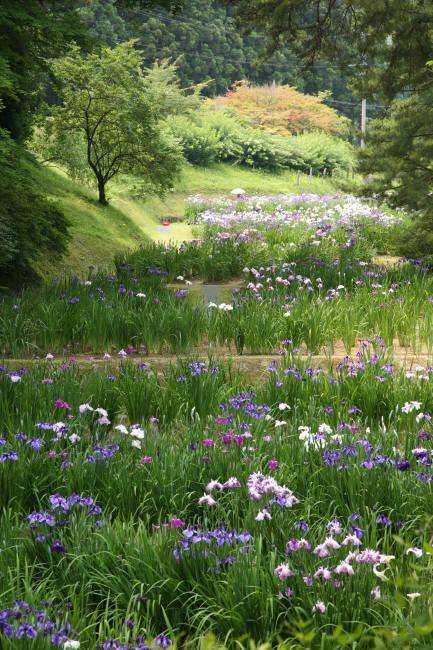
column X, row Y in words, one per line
column 99, row 232
column 214, row 181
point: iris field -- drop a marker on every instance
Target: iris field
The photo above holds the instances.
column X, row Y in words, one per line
column 196, row 505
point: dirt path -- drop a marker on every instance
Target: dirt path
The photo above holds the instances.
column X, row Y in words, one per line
column 252, row 365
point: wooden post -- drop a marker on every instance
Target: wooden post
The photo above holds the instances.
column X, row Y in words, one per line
column 311, row 174
column 324, row 172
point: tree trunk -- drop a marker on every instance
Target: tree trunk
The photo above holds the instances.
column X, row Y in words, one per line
column 101, row 189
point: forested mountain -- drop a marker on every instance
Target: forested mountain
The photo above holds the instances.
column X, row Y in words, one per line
column 210, row 47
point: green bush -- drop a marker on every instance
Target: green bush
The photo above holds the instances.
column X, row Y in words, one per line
column 200, row 145
column 242, row 145
column 318, row 150
column 220, row 136
column 30, row 225
column 227, row 128
column 260, row 151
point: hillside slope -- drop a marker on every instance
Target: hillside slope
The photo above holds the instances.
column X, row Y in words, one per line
column 99, row 232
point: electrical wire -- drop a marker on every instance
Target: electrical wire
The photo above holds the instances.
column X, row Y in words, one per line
column 170, row 19
column 289, row 66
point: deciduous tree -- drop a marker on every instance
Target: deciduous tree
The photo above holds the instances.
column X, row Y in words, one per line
column 280, row 109
column 113, row 110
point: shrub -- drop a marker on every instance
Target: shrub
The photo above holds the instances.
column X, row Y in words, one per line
column 221, row 136
column 200, row 144
column 227, row 128
column 242, row 145
column 415, row 239
column 318, row 150
column 258, row 150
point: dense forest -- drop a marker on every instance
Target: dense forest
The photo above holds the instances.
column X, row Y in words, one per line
column 205, row 41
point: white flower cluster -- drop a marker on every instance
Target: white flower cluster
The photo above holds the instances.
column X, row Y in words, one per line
column 411, row 406
column 135, row 432
column 222, row 306
column 102, row 412
column 317, row 440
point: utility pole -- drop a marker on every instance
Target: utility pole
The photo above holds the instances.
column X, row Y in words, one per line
column 363, row 120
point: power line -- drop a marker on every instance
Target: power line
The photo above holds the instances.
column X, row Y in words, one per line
column 170, row 19
column 289, row 66
column 286, row 66
column 337, row 101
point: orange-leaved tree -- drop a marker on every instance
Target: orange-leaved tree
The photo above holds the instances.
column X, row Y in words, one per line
column 280, row 109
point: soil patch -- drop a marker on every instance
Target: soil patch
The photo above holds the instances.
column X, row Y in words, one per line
column 252, row 365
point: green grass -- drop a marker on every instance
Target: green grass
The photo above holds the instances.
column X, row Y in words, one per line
column 221, row 178
column 217, row 180
column 99, row 232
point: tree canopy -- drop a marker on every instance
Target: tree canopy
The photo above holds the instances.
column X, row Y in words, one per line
column 390, row 41
column 398, row 158
column 109, row 121
column 204, row 39
column 32, row 33
column 280, row 109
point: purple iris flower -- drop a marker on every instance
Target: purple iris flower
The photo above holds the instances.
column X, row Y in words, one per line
column 57, row 547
